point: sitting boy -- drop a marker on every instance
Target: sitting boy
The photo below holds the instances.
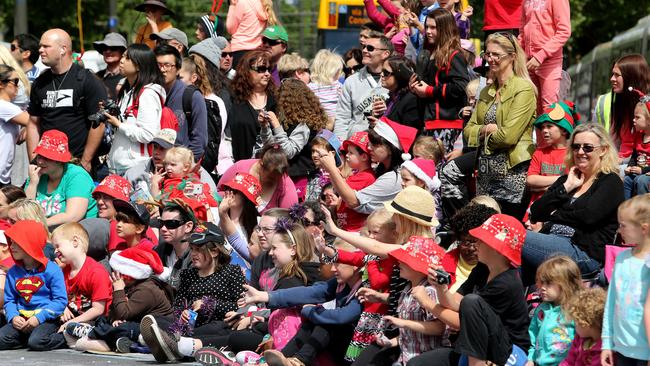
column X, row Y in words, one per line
column 35, row 294
column 132, row 223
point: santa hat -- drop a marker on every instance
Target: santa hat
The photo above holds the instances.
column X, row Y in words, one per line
column 424, row 170
column 4, row 225
column 643, row 98
column 400, row 136
column 137, row 262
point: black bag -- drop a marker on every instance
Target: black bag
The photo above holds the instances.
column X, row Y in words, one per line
column 211, row 153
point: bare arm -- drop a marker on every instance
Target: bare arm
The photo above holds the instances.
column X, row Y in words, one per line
column 92, row 144
column 75, row 210
column 539, row 183
column 21, row 119
column 370, row 246
column 33, row 135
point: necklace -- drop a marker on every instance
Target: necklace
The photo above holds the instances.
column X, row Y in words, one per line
column 56, row 90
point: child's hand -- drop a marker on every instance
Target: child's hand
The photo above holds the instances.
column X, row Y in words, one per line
column 328, row 162
column 420, row 294
column 196, row 305
column 227, row 201
column 384, row 341
column 366, row 294
column 118, row 322
column 468, row 12
column 253, row 296
column 156, row 179
column 118, row 281
column 30, row 324
column 466, row 112
column 607, row 357
column 392, row 32
column 67, row 315
column 232, row 319
column 18, row 322
column 185, row 316
column 400, row 323
column 329, row 224
column 530, row 363
column 273, row 120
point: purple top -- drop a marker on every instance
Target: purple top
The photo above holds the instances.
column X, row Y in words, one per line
column 463, row 26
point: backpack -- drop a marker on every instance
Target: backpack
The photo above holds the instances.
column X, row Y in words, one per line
column 211, row 152
column 167, row 119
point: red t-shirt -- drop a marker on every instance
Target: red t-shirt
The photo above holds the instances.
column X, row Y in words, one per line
column 546, row 162
column 642, row 157
column 502, row 14
column 91, row 283
column 117, row 243
column 348, row 219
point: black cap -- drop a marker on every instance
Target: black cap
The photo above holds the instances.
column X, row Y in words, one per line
column 206, row 232
column 133, row 209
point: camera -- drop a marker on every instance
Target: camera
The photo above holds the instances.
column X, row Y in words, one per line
column 442, row 277
column 108, row 106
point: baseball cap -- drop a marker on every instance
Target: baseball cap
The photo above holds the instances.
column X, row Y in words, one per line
column 166, row 138
column 133, row 209
column 277, row 33
column 206, row 232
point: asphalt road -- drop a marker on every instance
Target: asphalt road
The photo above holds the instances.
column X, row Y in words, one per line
column 67, row 357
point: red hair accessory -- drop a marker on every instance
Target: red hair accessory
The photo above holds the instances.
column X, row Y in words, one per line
column 643, row 98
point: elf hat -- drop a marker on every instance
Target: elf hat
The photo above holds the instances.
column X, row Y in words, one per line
column 503, row 233
column 400, row 136
column 115, row 186
column 424, row 170
column 643, row 98
column 54, row 146
column 416, row 204
column 358, row 139
column 136, row 262
column 248, row 185
column 563, row 114
column 418, row 253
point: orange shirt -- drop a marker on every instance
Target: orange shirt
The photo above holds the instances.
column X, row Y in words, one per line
column 143, row 33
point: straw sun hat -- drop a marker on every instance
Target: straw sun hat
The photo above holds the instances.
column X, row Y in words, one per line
column 416, row 204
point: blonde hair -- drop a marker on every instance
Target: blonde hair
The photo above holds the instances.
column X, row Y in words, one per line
column 608, row 161
column 509, row 44
column 27, row 209
column 69, row 231
column 326, row 67
column 183, row 155
column 472, row 87
column 486, row 201
column 561, row 271
column 431, row 148
column 305, row 251
column 639, row 207
column 8, row 59
column 410, row 228
column 587, row 307
column 291, row 62
column 268, row 9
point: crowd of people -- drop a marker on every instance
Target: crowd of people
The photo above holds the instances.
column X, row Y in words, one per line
column 411, row 202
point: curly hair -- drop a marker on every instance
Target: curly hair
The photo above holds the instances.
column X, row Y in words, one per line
column 242, row 85
column 298, row 104
column 586, row 307
column 469, row 217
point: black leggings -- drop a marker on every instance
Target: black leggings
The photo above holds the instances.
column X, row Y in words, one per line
column 311, row 339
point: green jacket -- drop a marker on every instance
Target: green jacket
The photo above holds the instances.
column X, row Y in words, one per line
column 515, row 117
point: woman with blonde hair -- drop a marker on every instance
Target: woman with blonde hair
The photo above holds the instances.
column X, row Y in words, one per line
column 292, row 65
column 579, row 209
column 326, row 69
column 24, row 86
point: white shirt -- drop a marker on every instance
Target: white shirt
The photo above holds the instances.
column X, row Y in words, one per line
column 8, row 136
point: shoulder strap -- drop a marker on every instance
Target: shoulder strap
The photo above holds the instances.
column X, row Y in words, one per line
column 188, row 93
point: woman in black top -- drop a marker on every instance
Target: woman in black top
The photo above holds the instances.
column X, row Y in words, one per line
column 402, row 105
column 252, row 92
column 579, row 209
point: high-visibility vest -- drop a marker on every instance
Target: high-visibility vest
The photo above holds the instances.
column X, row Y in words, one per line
column 603, row 109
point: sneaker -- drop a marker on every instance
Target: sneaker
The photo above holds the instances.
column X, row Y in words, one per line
column 78, row 330
column 214, row 357
column 123, row 345
column 160, row 342
column 248, row 357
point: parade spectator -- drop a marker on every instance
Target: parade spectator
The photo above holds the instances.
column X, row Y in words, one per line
column 24, row 85
column 275, row 41
column 592, row 185
column 326, row 70
column 209, row 26
column 271, row 171
column 173, row 37
column 544, row 29
column 8, row 195
column 443, row 72
column 141, row 100
column 24, row 48
column 353, row 61
column 361, row 89
column 112, row 47
column 61, row 188
column 636, row 181
column 11, row 119
column 417, row 22
column 401, row 105
column 245, row 22
column 227, row 65
column 63, row 97
column 293, row 65
column 153, row 11
column 176, row 223
column 253, row 93
column 586, row 310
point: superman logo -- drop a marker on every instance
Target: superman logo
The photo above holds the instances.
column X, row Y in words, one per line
column 28, row 286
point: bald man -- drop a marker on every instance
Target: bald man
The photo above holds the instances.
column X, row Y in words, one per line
column 63, row 97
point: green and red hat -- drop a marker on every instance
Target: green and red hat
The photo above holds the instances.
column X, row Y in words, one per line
column 563, row 114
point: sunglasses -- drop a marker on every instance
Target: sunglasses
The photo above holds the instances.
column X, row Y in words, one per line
column 226, row 54
column 14, row 47
column 353, row 69
column 307, row 222
column 169, row 224
column 271, row 42
column 261, row 69
column 587, row 148
column 13, row 81
column 385, row 74
column 371, row 48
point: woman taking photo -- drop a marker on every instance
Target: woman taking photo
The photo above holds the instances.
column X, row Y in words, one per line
column 501, row 127
column 402, row 105
column 13, row 117
column 271, row 171
column 252, row 93
column 579, row 209
column 443, row 70
column 300, row 117
column 389, row 142
column 141, row 100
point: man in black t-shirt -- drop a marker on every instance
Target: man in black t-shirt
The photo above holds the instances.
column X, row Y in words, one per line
column 63, row 97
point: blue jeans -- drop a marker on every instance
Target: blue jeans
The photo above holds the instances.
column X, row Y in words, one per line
column 636, row 184
column 539, row 247
column 40, row 339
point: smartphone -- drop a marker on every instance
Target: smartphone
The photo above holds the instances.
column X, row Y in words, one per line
column 197, row 189
column 404, row 72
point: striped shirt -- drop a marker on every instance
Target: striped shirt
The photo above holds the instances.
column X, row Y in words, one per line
column 328, row 96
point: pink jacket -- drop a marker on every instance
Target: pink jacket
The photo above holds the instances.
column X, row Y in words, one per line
column 379, row 18
column 545, row 28
column 578, row 356
column 246, row 22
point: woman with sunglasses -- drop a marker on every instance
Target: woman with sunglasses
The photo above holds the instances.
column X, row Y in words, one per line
column 441, row 78
column 141, row 102
column 253, row 93
column 12, row 117
column 579, row 209
column 402, row 104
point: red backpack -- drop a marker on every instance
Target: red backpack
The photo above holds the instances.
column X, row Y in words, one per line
column 167, row 119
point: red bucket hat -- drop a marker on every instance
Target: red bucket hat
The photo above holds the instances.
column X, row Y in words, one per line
column 115, row 186
column 418, row 253
column 54, row 146
column 503, row 233
column 359, row 139
column 248, row 185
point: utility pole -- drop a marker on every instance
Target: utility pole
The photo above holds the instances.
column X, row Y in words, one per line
column 20, row 17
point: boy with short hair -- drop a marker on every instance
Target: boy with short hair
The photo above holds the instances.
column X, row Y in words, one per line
column 132, row 223
column 87, row 282
column 35, row 294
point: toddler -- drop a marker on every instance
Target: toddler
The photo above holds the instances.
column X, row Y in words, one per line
column 586, row 310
